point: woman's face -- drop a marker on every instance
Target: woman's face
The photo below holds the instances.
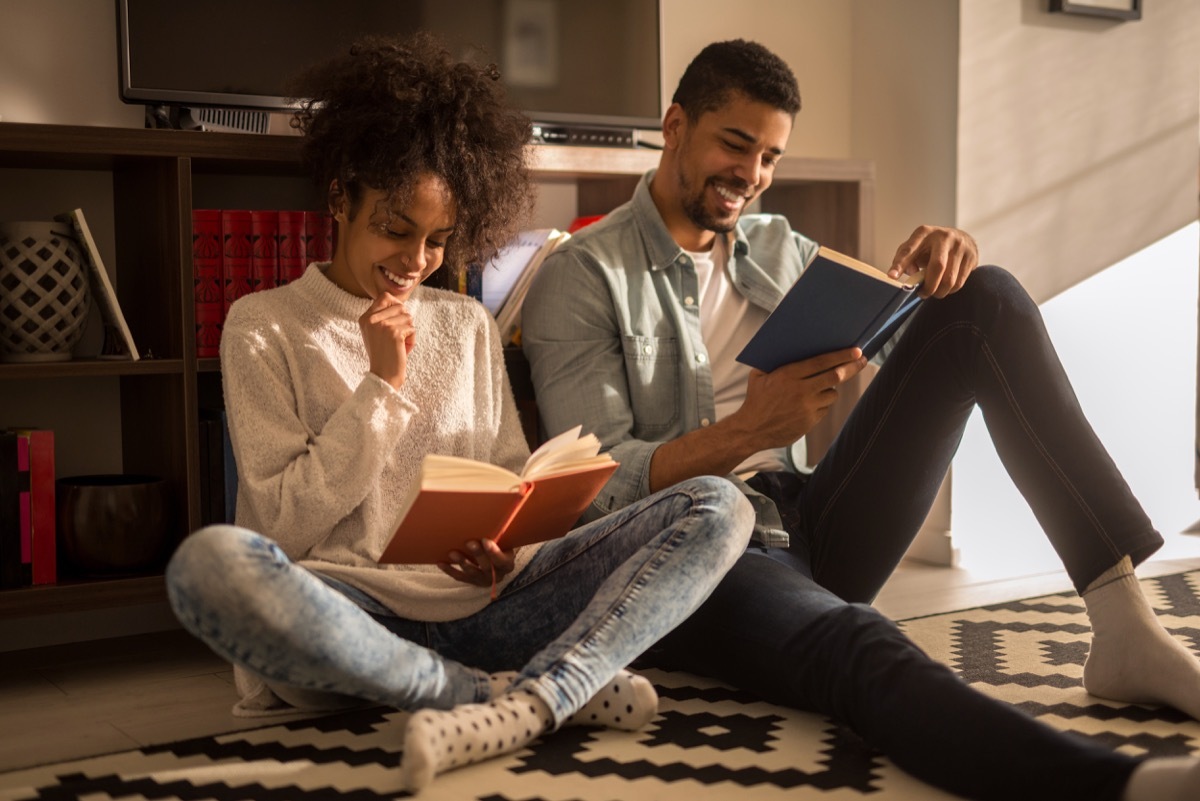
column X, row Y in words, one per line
column 391, row 249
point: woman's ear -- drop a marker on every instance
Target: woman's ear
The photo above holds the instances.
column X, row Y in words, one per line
column 338, row 202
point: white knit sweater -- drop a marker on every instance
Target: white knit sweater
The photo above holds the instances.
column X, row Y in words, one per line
column 326, row 449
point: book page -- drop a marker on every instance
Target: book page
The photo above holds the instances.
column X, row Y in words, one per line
column 874, row 272
column 568, row 452
column 439, row 472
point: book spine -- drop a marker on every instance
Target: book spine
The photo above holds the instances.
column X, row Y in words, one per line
column 237, row 252
column 318, row 229
column 208, row 281
column 264, row 259
column 42, row 507
column 292, row 246
column 24, row 492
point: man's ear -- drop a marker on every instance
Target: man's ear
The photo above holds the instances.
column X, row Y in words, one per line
column 674, row 125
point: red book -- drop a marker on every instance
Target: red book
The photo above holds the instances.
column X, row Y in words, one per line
column 264, row 259
column 209, row 283
column 23, row 501
column 318, row 230
column 293, row 248
column 237, row 252
column 35, row 453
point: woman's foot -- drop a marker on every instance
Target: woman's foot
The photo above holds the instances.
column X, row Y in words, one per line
column 628, row 702
column 436, row 741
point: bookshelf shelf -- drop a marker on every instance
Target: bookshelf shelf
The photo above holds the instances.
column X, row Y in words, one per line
column 138, row 188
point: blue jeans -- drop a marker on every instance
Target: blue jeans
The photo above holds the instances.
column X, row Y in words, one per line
column 584, row 607
column 794, row 625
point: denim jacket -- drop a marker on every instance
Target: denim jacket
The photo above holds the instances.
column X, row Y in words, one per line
column 611, row 328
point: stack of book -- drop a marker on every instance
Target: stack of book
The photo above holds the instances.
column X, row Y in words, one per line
column 235, row 252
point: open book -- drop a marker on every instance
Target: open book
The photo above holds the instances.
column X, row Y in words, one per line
column 837, row 302
column 533, row 247
column 460, row 499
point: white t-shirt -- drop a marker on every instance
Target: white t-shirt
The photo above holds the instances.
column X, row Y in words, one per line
column 727, row 321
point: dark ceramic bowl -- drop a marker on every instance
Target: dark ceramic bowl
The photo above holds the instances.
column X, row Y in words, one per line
column 112, row 523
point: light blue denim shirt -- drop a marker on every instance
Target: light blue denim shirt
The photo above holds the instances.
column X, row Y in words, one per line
column 611, row 328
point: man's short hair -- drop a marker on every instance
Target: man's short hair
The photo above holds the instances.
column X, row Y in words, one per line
column 722, row 68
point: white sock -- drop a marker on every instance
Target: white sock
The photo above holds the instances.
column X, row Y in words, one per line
column 1133, row 658
column 437, row 741
column 628, row 702
column 1165, row 779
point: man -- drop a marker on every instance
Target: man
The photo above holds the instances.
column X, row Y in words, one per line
column 657, row 299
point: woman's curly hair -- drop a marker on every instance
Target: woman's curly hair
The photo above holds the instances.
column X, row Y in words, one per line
column 391, row 109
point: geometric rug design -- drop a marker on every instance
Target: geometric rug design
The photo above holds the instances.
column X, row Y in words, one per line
column 708, row 742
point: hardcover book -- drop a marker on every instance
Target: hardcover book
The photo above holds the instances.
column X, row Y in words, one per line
column 293, row 246
column 264, row 250
column 208, row 283
column 118, row 340
column 837, row 302
column 237, row 253
column 459, row 499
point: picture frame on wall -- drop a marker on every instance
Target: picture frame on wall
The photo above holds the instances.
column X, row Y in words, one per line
column 1112, row 9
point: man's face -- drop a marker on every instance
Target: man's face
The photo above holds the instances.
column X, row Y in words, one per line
column 726, row 158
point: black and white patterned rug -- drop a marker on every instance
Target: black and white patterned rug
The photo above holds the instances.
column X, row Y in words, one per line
column 708, row 742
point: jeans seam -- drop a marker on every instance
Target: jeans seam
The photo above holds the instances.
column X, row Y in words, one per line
column 1041, row 449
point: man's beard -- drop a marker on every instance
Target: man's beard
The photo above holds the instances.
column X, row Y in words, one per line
column 697, row 211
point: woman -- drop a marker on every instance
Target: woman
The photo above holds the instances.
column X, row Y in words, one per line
column 338, row 384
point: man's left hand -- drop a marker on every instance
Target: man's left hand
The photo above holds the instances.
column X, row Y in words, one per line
column 947, row 255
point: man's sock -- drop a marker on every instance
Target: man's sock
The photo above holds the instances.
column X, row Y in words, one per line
column 628, row 702
column 437, row 741
column 1166, row 779
column 1133, row 658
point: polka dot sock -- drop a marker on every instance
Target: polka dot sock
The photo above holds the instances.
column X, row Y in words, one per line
column 437, row 741
column 628, row 702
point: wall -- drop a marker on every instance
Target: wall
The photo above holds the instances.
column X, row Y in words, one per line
column 1077, row 140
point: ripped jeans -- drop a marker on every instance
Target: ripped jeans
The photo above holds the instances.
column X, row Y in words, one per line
column 583, row 608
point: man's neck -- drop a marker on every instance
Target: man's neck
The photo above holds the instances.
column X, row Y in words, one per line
column 686, row 233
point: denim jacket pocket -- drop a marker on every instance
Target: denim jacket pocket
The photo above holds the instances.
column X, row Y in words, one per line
column 651, row 365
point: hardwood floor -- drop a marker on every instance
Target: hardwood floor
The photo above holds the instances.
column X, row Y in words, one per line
column 110, row 695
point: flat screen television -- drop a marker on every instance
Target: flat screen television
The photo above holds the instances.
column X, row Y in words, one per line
column 589, row 62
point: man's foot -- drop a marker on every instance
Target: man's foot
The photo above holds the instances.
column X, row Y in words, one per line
column 1166, row 779
column 1133, row 658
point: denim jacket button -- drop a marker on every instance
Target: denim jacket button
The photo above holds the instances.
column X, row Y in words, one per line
column 648, row 349
column 688, row 301
column 701, row 358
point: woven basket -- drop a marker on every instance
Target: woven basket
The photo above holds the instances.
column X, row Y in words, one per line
column 43, row 292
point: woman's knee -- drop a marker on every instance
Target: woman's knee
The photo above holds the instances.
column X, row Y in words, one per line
column 212, row 564
column 729, row 509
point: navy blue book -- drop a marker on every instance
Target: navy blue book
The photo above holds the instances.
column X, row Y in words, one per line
column 837, row 302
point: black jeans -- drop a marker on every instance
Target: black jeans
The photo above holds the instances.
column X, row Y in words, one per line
column 794, row 625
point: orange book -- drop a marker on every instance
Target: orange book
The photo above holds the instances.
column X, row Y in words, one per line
column 460, row 499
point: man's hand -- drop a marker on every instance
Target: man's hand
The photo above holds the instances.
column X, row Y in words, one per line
column 947, row 255
column 482, row 562
column 388, row 334
column 783, row 405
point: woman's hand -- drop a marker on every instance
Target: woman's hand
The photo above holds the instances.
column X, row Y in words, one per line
column 388, row 334
column 479, row 563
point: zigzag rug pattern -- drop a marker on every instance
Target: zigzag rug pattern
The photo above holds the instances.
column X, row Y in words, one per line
column 708, row 742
